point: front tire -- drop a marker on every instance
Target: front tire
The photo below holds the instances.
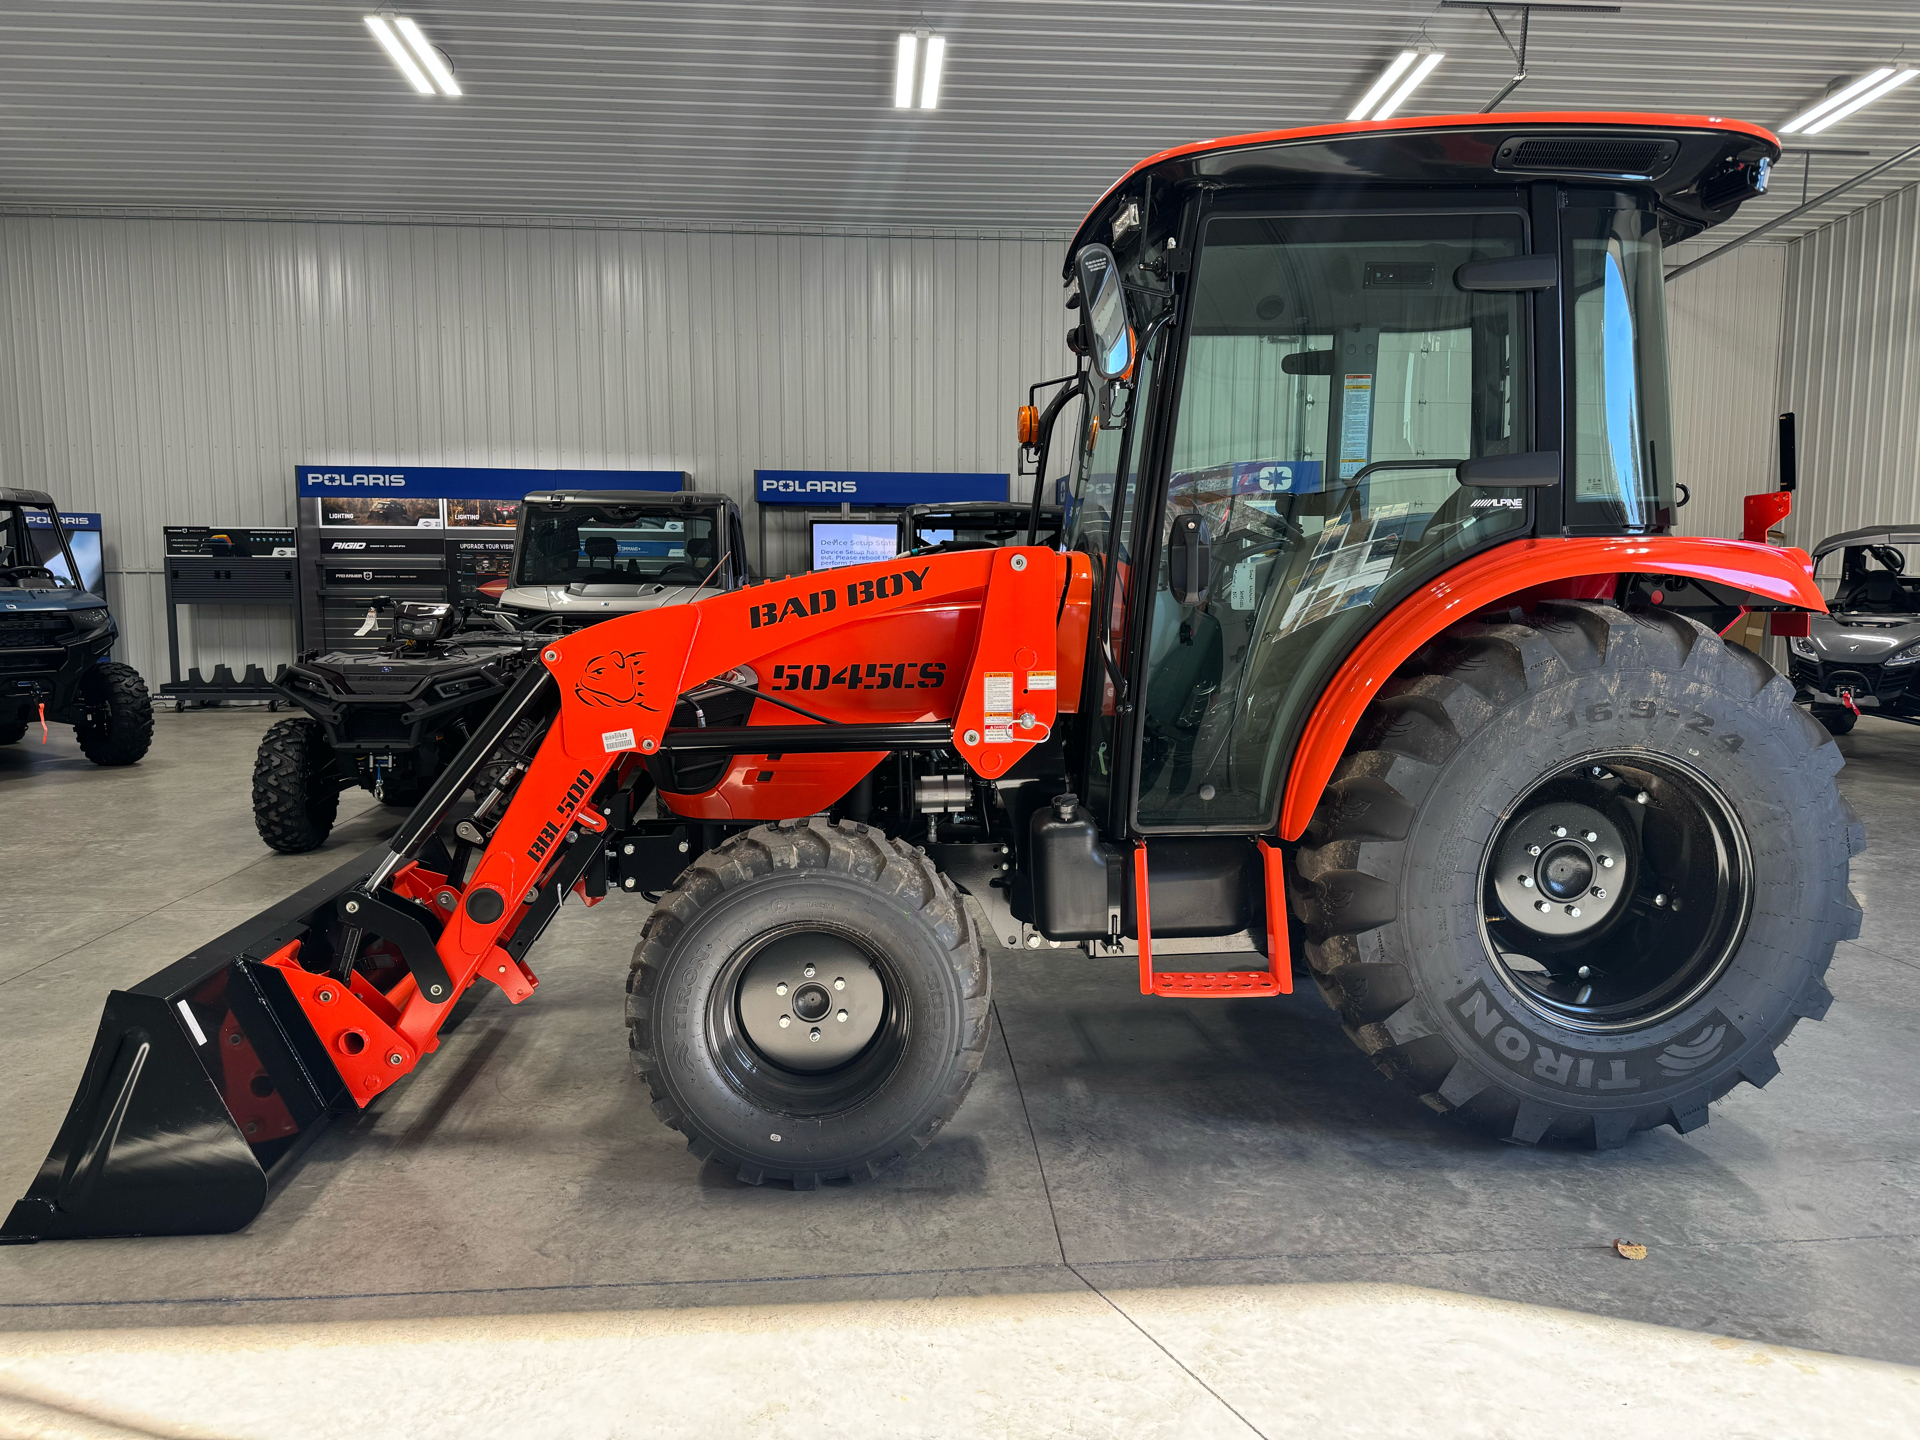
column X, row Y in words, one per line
column 115, row 727
column 11, row 731
column 1579, row 875
column 808, row 1003
column 296, row 786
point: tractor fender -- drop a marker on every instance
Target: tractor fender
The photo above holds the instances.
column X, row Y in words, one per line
column 1784, row 576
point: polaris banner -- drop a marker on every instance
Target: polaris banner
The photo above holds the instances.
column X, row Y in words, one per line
column 876, row 487
column 462, row 482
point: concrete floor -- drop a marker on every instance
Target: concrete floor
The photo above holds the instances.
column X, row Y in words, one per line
column 1113, row 1142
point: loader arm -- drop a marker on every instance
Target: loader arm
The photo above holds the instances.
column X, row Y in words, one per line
column 212, row 1074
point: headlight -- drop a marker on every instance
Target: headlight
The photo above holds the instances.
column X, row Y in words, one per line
column 1904, row 656
column 90, row 623
column 1802, row 647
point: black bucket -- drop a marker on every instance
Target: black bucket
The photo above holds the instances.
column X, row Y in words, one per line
column 204, row 1083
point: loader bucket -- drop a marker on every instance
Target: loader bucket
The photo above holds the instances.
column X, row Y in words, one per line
column 204, row 1082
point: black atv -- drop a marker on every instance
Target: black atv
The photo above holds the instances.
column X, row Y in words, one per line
column 54, row 639
column 386, row 721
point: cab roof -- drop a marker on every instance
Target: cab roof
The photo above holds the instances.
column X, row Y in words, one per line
column 1670, row 154
column 678, row 499
column 13, row 495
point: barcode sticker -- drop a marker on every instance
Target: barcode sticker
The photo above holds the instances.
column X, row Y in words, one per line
column 611, row 741
column 998, row 693
column 1040, row 680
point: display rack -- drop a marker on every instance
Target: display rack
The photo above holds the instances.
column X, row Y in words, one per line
column 217, row 566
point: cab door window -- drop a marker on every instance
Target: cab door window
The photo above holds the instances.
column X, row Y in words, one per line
column 1335, row 374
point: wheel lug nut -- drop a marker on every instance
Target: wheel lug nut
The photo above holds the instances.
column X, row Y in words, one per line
column 840, row 1015
column 1584, row 973
column 1560, row 830
column 814, row 1034
column 1640, row 798
column 1599, row 893
column 786, row 1021
column 1590, row 837
column 1661, row 900
column 1596, row 771
column 1534, row 850
column 807, row 971
column 1542, row 906
column 1607, row 863
column 780, row 988
column 1528, row 881
column 840, row 983
column 1574, row 910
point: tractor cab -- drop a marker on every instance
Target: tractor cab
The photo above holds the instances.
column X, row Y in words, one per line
column 1323, row 368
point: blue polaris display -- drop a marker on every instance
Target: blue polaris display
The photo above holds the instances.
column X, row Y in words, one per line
column 466, row 482
column 876, row 487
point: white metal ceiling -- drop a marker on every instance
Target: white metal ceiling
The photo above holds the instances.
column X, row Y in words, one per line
column 761, row 112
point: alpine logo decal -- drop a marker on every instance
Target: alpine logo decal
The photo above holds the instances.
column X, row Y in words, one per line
column 612, row 679
column 1498, row 502
column 1506, row 1044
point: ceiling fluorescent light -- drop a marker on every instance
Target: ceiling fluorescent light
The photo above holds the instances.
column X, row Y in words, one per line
column 1899, row 78
column 1388, row 77
column 1421, row 72
column 429, row 57
column 930, row 74
column 1840, row 97
column 397, row 53
column 904, row 73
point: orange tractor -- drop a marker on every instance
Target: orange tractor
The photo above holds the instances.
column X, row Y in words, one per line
column 1368, row 655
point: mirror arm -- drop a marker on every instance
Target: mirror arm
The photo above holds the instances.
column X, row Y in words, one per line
column 1071, row 385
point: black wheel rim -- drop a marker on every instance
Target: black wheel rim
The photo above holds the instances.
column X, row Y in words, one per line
column 791, row 972
column 1615, row 891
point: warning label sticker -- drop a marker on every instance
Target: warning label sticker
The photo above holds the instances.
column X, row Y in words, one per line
column 611, row 741
column 998, row 693
column 1040, row 680
column 999, row 728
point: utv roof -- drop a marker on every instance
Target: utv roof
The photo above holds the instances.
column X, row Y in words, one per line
column 24, row 497
column 976, row 507
column 1672, row 154
column 682, row 499
column 1870, row 535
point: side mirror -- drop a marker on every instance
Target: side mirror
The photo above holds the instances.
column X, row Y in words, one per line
column 1110, row 337
column 1189, row 562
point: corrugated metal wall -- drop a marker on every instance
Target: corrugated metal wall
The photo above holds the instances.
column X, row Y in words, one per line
column 1848, row 370
column 174, row 371
column 1724, row 356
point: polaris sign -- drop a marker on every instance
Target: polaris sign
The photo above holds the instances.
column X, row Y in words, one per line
column 462, row 482
column 876, row 487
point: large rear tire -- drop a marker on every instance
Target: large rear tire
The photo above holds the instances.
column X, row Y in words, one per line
column 808, row 1003
column 11, row 731
column 1579, row 874
column 115, row 726
column 296, row 786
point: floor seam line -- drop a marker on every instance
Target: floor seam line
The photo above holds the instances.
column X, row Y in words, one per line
column 1047, row 1192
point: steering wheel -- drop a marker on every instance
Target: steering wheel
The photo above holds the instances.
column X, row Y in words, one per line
column 15, row 572
column 1890, row 557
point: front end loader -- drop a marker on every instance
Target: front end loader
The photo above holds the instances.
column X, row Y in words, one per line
column 1367, row 654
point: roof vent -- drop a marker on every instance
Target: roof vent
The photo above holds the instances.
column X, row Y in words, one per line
column 1607, row 157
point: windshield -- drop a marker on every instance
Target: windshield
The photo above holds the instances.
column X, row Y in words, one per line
column 616, row 545
column 33, row 550
column 980, row 529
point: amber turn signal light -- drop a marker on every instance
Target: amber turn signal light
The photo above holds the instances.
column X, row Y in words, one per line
column 1028, row 425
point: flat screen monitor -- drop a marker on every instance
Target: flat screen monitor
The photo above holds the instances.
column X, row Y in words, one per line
column 851, row 542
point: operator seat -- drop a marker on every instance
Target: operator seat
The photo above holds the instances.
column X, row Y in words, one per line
column 601, row 548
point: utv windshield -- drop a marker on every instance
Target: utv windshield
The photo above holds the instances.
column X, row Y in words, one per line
column 616, row 545
column 33, row 556
column 980, row 529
